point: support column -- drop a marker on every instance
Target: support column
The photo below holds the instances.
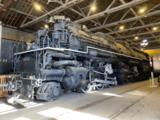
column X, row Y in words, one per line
column 152, row 80
column 0, row 36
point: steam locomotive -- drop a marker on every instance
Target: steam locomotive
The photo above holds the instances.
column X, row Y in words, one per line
column 67, row 57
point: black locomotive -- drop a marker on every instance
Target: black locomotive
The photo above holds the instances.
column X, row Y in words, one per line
column 69, row 57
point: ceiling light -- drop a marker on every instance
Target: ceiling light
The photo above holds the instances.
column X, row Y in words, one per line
column 144, row 41
column 142, row 44
column 121, row 27
column 93, row 8
column 136, row 38
column 142, row 10
column 46, row 26
column 154, row 28
column 38, row 7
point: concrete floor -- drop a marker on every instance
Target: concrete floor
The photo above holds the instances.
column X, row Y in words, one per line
column 136, row 101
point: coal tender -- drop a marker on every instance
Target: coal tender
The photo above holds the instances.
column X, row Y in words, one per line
column 67, row 57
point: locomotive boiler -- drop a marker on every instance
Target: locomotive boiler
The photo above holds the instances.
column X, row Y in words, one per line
column 67, row 57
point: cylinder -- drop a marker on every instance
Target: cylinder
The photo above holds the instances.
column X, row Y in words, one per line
column 53, row 72
column 101, row 54
column 70, row 83
column 59, row 55
column 66, row 63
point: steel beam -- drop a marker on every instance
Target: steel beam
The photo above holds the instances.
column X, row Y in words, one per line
column 109, row 11
column 80, row 10
column 94, row 2
column 7, row 5
column 158, row 36
column 148, row 41
column 66, row 1
column 148, row 48
column 29, row 12
column 52, row 7
column 135, row 28
column 135, row 14
column 125, row 14
column 33, row 17
column 126, row 20
column 144, row 33
column 106, row 19
column 73, row 10
column 153, row 8
column 54, row 11
column 111, row 4
column 23, row 13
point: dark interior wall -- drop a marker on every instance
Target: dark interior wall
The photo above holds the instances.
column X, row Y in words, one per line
column 6, row 57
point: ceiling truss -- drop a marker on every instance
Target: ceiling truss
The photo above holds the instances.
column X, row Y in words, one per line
column 102, row 20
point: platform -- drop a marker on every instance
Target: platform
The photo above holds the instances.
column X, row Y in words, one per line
column 134, row 101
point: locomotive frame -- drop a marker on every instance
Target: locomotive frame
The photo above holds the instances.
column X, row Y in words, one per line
column 65, row 57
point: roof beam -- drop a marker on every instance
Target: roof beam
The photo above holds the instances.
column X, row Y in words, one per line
column 20, row 12
column 126, row 20
column 29, row 12
column 73, row 10
column 152, row 41
column 104, row 22
column 125, row 14
column 111, row 4
column 144, row 33
column 33, row 17
column 23, row 13
column 54, row 11
column 149, row 48
column 109, row 11
column 7, row 5
column 145, row 38
column 94, row 2
column 53, row 7
column 153, row 8
column 135, row 14
column 135, row 28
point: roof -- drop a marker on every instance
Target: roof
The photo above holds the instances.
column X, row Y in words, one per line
column 107, row 18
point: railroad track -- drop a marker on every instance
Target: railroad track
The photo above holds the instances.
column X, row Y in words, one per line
column 105, row 99
column 112, row 117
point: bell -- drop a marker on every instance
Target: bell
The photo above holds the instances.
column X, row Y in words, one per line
column 51, row 20
column 84, row 27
